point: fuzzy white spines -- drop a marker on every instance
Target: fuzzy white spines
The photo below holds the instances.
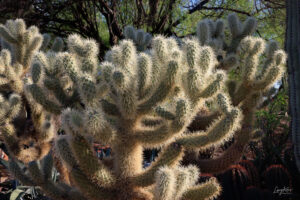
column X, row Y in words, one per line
column 220, row 131
column 165, row 184
column 10, row 108
column 98, row 127
column 26, row 41
column 249, row 50
column 173, row 183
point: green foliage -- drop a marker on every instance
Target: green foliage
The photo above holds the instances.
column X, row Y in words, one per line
column 273, row 122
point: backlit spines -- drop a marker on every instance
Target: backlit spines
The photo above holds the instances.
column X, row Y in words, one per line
column 26, row 41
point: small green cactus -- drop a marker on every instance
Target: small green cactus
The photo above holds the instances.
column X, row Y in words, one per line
column 234, row 180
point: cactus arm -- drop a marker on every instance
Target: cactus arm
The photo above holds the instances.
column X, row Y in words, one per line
column 191, row 86
column 182, row 182
column 79, row 177
column 172, row 183
column 165, row 130
column 186, row 177
column 26, row 42
column 99, row 126
column 144, row 64
column 59, row 93
column 46, row 166
column 162, row 91
column 203, row 32
column 10, row 74
column 169, row 156
column 219, row 132
column 271, row 73
column 270, row 78
column 92, row 191
column 202, row 121
column 32, row 47
column 69, row 65
column 154, row 136
column 242, row 137
column 46, row 41
column 87, row 89
column 57, row 45
column 164, row 113
column 127, row 103
column 6, row 35
column 213, row 88
column 231, row 155
column 139, row 37
column 89, row 163
column 239, row 31
column 39, row 95
column 205, row 191
column 165, row 184
column 64, row 152
column 8, row 132
column 12, row 109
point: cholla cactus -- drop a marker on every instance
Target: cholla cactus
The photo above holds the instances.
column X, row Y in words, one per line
column 137, row 101
column 255, row 77
column 141, row 39
column 26, row 128
column 23, row 42
column 212, row 33
column 132, row 105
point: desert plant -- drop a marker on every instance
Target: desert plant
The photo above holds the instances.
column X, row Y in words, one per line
column 26, row 128
column 234, row 182
column 251, row 76
column 252, row 172
column 137, row 100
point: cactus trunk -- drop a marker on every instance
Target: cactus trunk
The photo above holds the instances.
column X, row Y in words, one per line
column 129, row 158
column 293, row 50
